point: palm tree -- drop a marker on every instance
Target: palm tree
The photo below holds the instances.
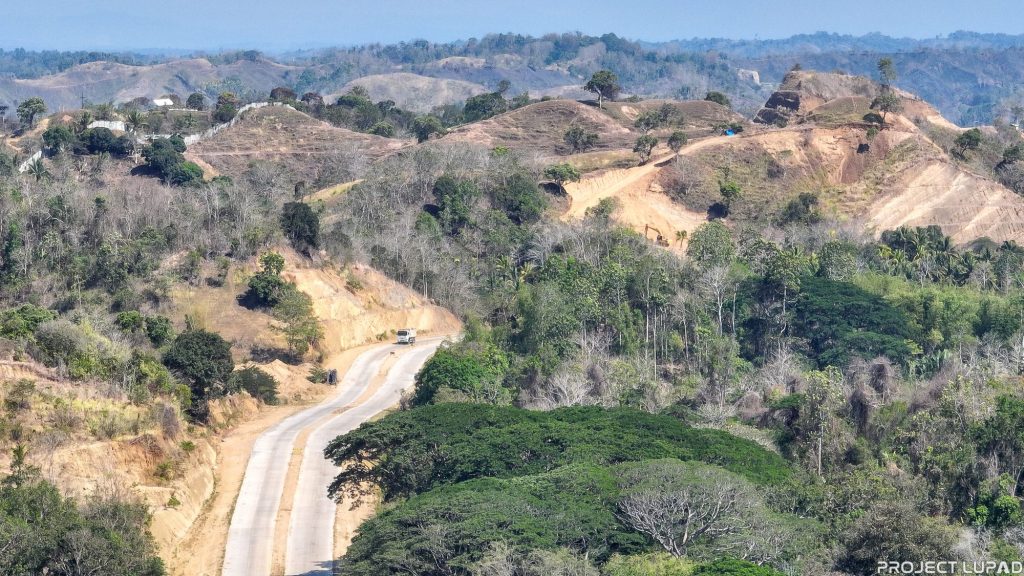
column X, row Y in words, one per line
column 681, row 237
column 38, row 169
column 83, row 121
column 134, row 120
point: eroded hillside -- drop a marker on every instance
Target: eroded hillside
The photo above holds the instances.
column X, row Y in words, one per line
column 827, row 145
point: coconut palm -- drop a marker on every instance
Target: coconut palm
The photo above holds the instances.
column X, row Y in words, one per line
column 681, row 236
column 37, row 169
column 134, row 121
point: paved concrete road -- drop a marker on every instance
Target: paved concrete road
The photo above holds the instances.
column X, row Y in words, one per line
column 250, row 543
column 310, row 550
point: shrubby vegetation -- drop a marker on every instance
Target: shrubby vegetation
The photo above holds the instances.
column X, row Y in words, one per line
column 43, row 532
column 882, row 369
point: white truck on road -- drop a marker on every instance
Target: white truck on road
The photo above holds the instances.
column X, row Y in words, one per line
column 407, row 336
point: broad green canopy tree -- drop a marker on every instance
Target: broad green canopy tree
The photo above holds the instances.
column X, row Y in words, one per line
column 30, row 109
column 605, row 84
column 968, row 140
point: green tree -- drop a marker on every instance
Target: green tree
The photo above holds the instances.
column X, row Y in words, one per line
column 301, row 327
column 382, row 128
column 643, row 147
column 803, row 210
column 30, row 109
column 185, row 174
column 1001, row 438
column 484, row 106
column 520, row 198
column 409, row 452
column 45, row 533
column 886, row 71
column 196, row 101
column 718, row 98
column 730, row 192
column 204, row 360
column 579, row 139
column 158, row 329
column 732, row 567
column 266, row 286
column 426, row 126
column 258, row 383
column 677, row 140
column 562, row 173
column 605, row 84
column 162, row 157
column 650, row 564
column 649, row 120
column 470, row 372
column 967, row 140
column 60, row 138
column 711, row 245
column 887, row 102
column 227, row 107
column 301, row 226
column 455, row 199
column 895, row 532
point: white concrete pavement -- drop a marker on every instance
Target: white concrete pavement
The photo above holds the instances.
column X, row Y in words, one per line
column 310, row 550
column 250, row 544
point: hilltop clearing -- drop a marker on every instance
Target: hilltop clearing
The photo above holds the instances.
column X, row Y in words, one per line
column 829, row 146
column 413, row 91
column 300, row 146
column 540, row 128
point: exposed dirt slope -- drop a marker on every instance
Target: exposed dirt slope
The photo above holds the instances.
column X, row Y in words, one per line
column 362, row 305
column 895, row 177
column 642, row 202
column 967, row 206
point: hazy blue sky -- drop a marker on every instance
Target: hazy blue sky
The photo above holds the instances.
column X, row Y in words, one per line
column 284, row 24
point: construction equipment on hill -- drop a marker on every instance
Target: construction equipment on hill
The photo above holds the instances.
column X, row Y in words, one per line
column 660, row 239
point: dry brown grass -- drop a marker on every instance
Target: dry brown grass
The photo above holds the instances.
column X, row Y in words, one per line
column 541, row 128
column 303, row 146
column 412, row 91
column 106, row 81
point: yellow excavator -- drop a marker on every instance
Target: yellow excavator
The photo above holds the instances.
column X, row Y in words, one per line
column 660, row 239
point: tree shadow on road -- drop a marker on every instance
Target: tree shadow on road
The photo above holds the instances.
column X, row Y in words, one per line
column 325, row 568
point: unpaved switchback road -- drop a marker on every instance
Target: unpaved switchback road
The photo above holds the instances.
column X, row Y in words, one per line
column 250, row 543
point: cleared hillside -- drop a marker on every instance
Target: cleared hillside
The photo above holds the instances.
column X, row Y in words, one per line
column 107, row 81
column 305, row 148
column 541, row 128
column 413, row 91
column 899, row 176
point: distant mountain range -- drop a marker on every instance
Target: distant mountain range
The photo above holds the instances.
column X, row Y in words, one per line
column 970, row 77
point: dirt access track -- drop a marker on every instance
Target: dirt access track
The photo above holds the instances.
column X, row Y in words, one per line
column 642, row 203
